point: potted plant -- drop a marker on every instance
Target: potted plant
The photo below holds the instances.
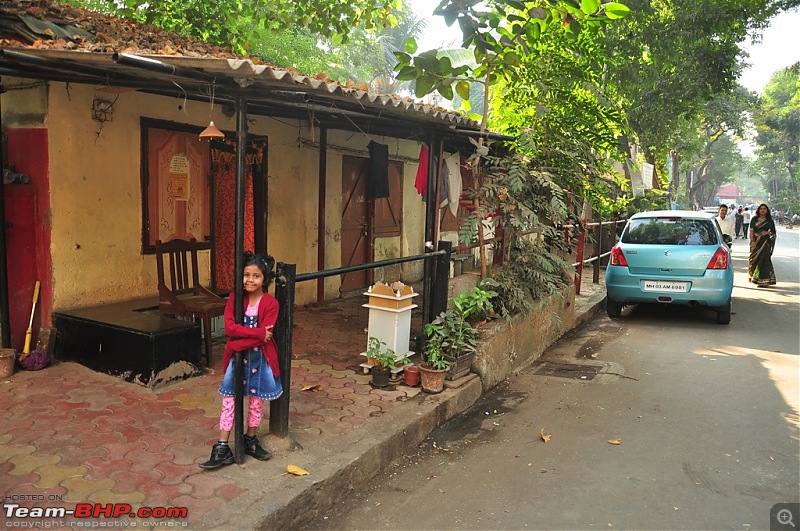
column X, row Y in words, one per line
column 457, row 339
column 434, row 369
column 475, row 306
column 384, row 361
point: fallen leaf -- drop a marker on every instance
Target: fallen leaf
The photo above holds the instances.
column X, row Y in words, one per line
column 615, row 441
column 312, row 388
column 545, row 436
column 297, row 471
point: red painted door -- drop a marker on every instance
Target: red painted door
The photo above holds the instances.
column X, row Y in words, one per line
column 20, row 205
column 27, row 208
column 356, row 226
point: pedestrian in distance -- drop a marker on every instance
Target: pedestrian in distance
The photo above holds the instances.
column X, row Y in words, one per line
column 739, row 217
column 725, row 221
column 260, row 356
column 762, row 242
column 747, row 217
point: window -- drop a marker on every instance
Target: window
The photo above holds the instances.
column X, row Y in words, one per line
column 670, row 231
column 175, row 184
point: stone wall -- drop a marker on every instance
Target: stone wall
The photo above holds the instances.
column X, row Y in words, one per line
column 508, row 347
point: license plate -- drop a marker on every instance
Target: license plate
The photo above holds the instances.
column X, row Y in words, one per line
column 665, row 285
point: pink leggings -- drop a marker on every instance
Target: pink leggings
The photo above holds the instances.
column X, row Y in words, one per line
column 254, row 413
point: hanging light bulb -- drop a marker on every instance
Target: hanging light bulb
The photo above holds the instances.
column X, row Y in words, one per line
column 211, row 132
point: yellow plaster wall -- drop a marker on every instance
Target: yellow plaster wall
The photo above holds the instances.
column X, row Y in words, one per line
column 96, row 200
column 24, row 104
column 97, row 204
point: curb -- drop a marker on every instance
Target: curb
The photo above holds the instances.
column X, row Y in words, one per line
column 593, row 310
column 349, row 463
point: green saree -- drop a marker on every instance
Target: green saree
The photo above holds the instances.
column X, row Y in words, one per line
column 761, row 271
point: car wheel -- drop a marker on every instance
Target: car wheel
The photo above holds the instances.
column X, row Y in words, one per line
column 724, row 314
column 613, row 308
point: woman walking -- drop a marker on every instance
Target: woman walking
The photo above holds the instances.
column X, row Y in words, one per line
column 762, row 243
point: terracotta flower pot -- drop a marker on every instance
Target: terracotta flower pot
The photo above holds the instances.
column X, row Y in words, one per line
column 432, row 379
column 411, row 375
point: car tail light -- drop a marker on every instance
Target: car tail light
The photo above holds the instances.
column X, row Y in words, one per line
column 719, row 260
column 618, row 257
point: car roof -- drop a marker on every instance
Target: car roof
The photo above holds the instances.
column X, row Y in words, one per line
column 689, row 214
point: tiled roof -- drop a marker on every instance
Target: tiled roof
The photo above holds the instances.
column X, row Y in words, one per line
column 45, row 24
column 66, row 37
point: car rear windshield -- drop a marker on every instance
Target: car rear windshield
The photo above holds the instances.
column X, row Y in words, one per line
column 670, row 231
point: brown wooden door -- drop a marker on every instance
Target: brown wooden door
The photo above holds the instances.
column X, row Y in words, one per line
column 356, row 227
column 364, row 219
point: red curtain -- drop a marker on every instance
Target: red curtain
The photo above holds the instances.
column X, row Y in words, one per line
column 224, row 174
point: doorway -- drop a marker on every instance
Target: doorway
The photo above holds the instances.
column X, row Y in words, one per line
column 364, row 219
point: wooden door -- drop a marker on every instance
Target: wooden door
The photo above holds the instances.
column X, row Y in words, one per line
column 356, row 226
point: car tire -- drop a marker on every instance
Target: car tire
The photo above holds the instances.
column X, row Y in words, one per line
column 613, row 308
column 724, row 314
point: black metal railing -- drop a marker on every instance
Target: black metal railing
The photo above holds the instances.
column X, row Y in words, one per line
column 434, row 301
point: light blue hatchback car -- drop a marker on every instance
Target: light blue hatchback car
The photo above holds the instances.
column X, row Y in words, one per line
column 671, row 257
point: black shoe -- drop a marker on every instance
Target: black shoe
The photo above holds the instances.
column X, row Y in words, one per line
column 253, row 448
column 221, row 454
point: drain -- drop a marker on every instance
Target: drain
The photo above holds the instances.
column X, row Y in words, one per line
column 573, row 371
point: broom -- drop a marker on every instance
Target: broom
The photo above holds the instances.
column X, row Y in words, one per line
column 33, row 361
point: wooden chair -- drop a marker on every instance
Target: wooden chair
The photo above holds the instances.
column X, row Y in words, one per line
column 185, row 296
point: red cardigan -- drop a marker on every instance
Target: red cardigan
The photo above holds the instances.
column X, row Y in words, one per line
column 241, row 337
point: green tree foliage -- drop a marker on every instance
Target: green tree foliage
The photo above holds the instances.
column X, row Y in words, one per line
column 560, row 98
column 778, row 127
column 499, row 33
column 232, row 22
column 710, row 147
column 670, row 57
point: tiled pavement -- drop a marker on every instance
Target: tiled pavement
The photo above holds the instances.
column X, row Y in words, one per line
column 72, row 436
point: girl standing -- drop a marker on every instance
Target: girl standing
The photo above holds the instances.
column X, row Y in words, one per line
column 260, row 355
column 762, row 242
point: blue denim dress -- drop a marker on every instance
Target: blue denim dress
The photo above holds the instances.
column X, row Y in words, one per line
column 258, row 379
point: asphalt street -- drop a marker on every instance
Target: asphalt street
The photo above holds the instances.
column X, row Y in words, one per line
column 688, row 425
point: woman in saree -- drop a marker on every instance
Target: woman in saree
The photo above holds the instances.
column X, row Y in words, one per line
column 762, row 242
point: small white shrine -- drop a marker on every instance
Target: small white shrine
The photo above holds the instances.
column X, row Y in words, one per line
column 390, row 317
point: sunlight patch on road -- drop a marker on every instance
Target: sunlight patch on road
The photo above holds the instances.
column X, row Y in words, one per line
column 782, row 368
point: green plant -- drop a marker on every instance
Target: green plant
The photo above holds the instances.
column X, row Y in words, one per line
column 475, row 305
column 452, row 334
column 384, row 357
column 435, row 357
column 509, row 299
column 404, row 360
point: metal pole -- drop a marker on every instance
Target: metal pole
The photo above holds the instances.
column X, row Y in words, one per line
column 323, row 177
column 284, row 293
column 238, row 273
column 5, row 324
column 442, row 279
column 431, row 210
column 579, row 260
column 598, row 251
